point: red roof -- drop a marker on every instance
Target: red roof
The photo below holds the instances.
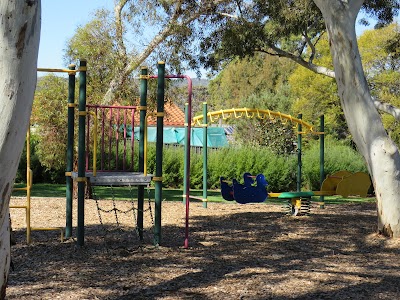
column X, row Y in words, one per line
column 173, row 116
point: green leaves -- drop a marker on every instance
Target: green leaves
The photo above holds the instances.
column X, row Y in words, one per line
column 49, row 116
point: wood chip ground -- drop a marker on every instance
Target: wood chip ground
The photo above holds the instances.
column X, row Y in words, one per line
column 235, row 251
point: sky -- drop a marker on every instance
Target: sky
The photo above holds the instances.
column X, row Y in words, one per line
column 60, row 18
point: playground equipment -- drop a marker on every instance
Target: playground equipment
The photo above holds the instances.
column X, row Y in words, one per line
column 116, row 170
column 249, row 192
column 346, row 184
column 119, row 175
column 105, row 128
column 227, row 189
column 298, row 203
column 302, row 128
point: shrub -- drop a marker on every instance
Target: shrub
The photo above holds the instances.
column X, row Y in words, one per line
column 280, row 171
column 338, row 156
column 41, row 174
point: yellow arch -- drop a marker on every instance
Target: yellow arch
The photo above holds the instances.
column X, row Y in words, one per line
column 256, row 113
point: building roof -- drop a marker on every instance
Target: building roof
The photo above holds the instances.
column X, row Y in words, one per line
column 173, row 116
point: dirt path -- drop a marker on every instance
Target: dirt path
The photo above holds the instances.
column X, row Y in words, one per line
column 236, row 252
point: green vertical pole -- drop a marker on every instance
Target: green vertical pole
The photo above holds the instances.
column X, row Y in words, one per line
column 299, row 164
column 186, row 161
column 322, row 157
column 70, row 151
column 143, row 110
column 159, row 152
column 81, row 153
column 205, row 148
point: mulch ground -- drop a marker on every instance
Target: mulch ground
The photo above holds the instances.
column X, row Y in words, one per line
column 235, row 251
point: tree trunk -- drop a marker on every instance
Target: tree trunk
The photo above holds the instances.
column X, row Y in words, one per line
column 19, row 44
column 364, row 122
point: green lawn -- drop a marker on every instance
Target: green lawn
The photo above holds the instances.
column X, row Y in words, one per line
column 58, row 190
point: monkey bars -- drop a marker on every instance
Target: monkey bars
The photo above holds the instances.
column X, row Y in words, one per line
column 262, row 114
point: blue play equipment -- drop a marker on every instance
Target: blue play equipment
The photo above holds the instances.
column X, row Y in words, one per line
column 249, row 192
column 227, row 189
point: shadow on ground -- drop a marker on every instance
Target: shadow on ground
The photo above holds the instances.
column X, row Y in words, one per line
column 333, row 254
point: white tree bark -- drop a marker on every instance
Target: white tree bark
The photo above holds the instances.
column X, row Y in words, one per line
column 364, row 122
column 19, row 44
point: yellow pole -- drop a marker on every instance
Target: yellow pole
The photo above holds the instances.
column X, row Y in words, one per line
column 94, row 143
column 28, row 185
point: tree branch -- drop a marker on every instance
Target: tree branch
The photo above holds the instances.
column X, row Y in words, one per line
column 309, row 65
column 168, row 29
column 119, row 28
column 387, row 108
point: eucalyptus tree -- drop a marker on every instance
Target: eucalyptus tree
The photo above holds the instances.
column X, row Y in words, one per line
column 382, row 67
column 286, row 29
column 142, row 29
column 19, row 46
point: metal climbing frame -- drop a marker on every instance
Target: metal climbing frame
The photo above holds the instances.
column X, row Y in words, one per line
column 115, row 132
column 115, row 168
column 302, row 128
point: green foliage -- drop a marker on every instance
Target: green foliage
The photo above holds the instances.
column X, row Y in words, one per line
column 338, row 156
column 270, row 133
column 249, row 77
column 40, row 173
column 382, row 70
column 96, row 41
column 233, row 162
column 316, row 94
column 256, row 82
column 280, row 171
column 49, row 117
column 173, row 167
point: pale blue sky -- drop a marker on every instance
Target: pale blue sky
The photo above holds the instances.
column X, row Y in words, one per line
column 60, row 18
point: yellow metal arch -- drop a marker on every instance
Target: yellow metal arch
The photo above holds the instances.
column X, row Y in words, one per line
column 255, row 113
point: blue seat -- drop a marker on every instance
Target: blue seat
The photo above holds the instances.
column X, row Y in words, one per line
column 244, row 194
column 226, row 190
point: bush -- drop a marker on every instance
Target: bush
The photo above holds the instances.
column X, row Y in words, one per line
column 338, row 156
column 279, row 170
column 41, row 174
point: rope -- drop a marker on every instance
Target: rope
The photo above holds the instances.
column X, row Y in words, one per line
column 117, row 210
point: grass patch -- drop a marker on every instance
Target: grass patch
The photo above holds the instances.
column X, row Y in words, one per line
column 42, row 190
column 125, row 193
column 118, row 193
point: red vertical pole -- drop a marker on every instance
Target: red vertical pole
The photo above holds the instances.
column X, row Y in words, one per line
column 110, row 139
column 124, row 157
column 117, row 141
column 87, row 156
column 102, row 137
